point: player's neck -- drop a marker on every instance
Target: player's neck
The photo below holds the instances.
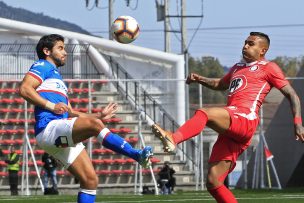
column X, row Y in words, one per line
column 251, row 63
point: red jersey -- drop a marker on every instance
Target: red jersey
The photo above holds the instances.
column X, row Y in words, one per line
column 250, row 83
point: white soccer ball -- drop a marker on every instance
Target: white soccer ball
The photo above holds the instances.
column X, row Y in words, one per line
column 125, row 29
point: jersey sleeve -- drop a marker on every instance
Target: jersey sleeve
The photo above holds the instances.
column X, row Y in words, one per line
column 226, row 78
column 39, row 71
column 275, row 76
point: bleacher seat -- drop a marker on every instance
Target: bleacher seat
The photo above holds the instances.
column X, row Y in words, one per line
column 5, row 110
column 3, row 174
column 31, row 163
column 132, row 140
column 103, row 172
column 11, row 131
column 125, row 130
column 16, row 110
column 63, row 173
column 18, row 141
column 5, row 151
column 117, row 172
column 97, row 161
column 112, row 120
column 99, row 151
column 6, row 101
column 108, row 161
column 119, row 161
column 154, row 160
column 3, row 164
column 31, row 131
column 19, row 100
column 96, row 110
column 8, row 142
column 39, row 151
column 114, row 130
column 120, row 130
column 20, row 131
column 8, row 91
column 78, row 100
column 128, row 172
column 129, row 160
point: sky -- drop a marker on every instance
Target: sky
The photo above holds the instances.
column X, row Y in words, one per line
column 221, row 34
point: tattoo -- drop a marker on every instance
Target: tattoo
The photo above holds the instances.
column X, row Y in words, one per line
column 293, row 98
column 208, row 82
column 212, row 83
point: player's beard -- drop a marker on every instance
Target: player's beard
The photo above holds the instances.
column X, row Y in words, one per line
column 58, row 62
column 247, row 57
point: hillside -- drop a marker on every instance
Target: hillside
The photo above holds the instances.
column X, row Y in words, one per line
column 23, row 15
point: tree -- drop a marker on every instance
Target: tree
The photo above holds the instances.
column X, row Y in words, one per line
column 210, row 67
column 289, row 65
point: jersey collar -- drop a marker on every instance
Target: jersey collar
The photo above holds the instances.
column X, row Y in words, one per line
column 252, row 63
column 49, row 63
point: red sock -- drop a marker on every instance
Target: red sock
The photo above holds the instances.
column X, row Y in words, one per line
column 222, row 194
column 192, row 127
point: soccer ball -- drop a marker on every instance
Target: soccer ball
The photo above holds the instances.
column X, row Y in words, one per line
column 125, row 29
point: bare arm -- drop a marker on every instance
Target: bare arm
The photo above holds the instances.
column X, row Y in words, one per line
column 212, row 83
column 28, row 92
column 295, row 104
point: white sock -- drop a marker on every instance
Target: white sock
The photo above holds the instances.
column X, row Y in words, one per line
column 90, row 192
column 102, row 134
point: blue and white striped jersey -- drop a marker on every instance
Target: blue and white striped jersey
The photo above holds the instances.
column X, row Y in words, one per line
column 51, row 88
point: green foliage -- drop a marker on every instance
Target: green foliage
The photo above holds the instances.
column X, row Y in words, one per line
column 208, row 67
column 24, row 15
column 289, row 65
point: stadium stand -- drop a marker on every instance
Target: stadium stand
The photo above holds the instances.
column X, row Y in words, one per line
column 111, row 168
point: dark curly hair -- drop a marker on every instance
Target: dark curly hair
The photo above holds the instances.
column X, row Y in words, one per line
column 47, row 41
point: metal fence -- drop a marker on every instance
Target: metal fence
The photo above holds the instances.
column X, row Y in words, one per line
column 16, row 59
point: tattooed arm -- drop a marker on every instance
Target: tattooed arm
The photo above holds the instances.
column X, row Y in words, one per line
column 295, row 104
column 212, row 83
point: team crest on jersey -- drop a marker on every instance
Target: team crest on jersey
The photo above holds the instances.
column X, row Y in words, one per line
column 253, row 68
column 238, row 83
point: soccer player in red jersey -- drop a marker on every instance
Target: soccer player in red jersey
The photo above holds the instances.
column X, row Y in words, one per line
column 247, row 83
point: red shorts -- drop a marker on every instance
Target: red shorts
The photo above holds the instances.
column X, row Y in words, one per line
column 237, row 138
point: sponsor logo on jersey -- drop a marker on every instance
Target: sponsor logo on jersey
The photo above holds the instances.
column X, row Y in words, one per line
column 253, row 68
column 238, row 83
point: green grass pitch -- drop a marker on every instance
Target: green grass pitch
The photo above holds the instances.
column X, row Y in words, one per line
column 248, row 196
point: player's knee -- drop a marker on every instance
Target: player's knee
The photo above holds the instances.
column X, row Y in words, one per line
column 212, row 181
column 95, row 124
column 90, row 181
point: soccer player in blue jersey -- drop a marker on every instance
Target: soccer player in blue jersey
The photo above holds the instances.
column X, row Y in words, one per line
column 59, row 129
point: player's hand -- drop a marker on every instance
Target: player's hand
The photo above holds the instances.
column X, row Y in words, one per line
column 192, row 77
column 109, row 111
column 299, row 132
column 61, row 108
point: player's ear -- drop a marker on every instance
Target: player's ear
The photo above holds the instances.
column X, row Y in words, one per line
column 46, row 51
column 263, row 51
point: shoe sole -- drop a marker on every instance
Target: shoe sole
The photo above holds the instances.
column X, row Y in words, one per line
column 157, row 132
